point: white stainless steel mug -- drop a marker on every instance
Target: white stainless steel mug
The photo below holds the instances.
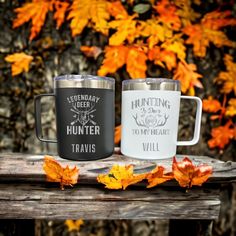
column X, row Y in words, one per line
column 150, row 117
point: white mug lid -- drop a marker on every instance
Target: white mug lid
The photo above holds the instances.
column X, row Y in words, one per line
column 151, row 84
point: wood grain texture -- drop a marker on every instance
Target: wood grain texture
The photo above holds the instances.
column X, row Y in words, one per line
column 25, row 194
column 26, row 167
column 40, row 202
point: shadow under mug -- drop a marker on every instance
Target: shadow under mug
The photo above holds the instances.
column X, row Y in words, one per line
column 84, row 116
column 150, row 116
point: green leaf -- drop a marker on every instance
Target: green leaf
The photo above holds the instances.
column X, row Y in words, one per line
column 141, row 8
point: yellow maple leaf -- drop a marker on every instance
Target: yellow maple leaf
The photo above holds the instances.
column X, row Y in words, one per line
column 20, row 62
column 126, row 30
column 228, row 78
column 56, row 173
column 186, row 74
column 186, row 12
column 74, row 225
column 83, row 12
column 176, row 45
column 231, row 108
column 155, row 31
column 120, row 177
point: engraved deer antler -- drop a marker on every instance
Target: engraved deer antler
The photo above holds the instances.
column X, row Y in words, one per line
column 139, row 123
column 159, row 123
column 90, row 110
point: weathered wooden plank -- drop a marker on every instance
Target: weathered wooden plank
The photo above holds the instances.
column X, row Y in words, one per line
column 15, row 166
column 27, row 202
column 46, row 193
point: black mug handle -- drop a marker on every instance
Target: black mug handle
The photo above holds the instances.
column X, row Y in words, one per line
column 37, row 109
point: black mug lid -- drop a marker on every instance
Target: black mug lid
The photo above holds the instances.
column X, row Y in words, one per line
column 84, row 81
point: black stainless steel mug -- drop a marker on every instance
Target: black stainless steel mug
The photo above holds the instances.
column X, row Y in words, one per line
column 84, row 116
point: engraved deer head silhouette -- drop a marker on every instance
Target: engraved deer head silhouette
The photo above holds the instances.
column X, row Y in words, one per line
column 83, row 116
column 151, row 121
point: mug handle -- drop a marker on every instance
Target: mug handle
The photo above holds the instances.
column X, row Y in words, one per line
column 37, row 109
column 197, row 122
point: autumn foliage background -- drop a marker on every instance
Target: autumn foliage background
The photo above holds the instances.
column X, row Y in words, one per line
column 191, row 41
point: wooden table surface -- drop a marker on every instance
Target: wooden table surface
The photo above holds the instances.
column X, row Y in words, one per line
column 25, row 194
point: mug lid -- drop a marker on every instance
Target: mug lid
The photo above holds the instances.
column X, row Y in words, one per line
column 151, row 84
column 84, row 81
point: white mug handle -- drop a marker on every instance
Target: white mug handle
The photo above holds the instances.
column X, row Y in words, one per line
column 197, row 122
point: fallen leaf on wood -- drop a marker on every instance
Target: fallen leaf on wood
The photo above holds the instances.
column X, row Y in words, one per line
column 120, row 177
column 187, row 174
column 66, row 176
column 157, row 176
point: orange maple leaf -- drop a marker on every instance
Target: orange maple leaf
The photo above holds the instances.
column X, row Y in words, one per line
column 120, row 177
column 176, row 45
column 160, row 56
column 231, row 108
column 84, row 12
column 217, row 19
column 115, row 58
column 200, row 35
column 155, row 31
column 228, row 78
column 126, row 26
column 126, row 29
column 222, row 135
column 157, row 176
column 91, row 51
column 117, row 134
column 59, row 15
column 56, row 173
column 133, row 56
column 168, row 14
column 186, row 74
column 20, row 62
column 211, row 105
column 187, row 174
column 36, row 11
column 117, row 10
column 136, row 62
